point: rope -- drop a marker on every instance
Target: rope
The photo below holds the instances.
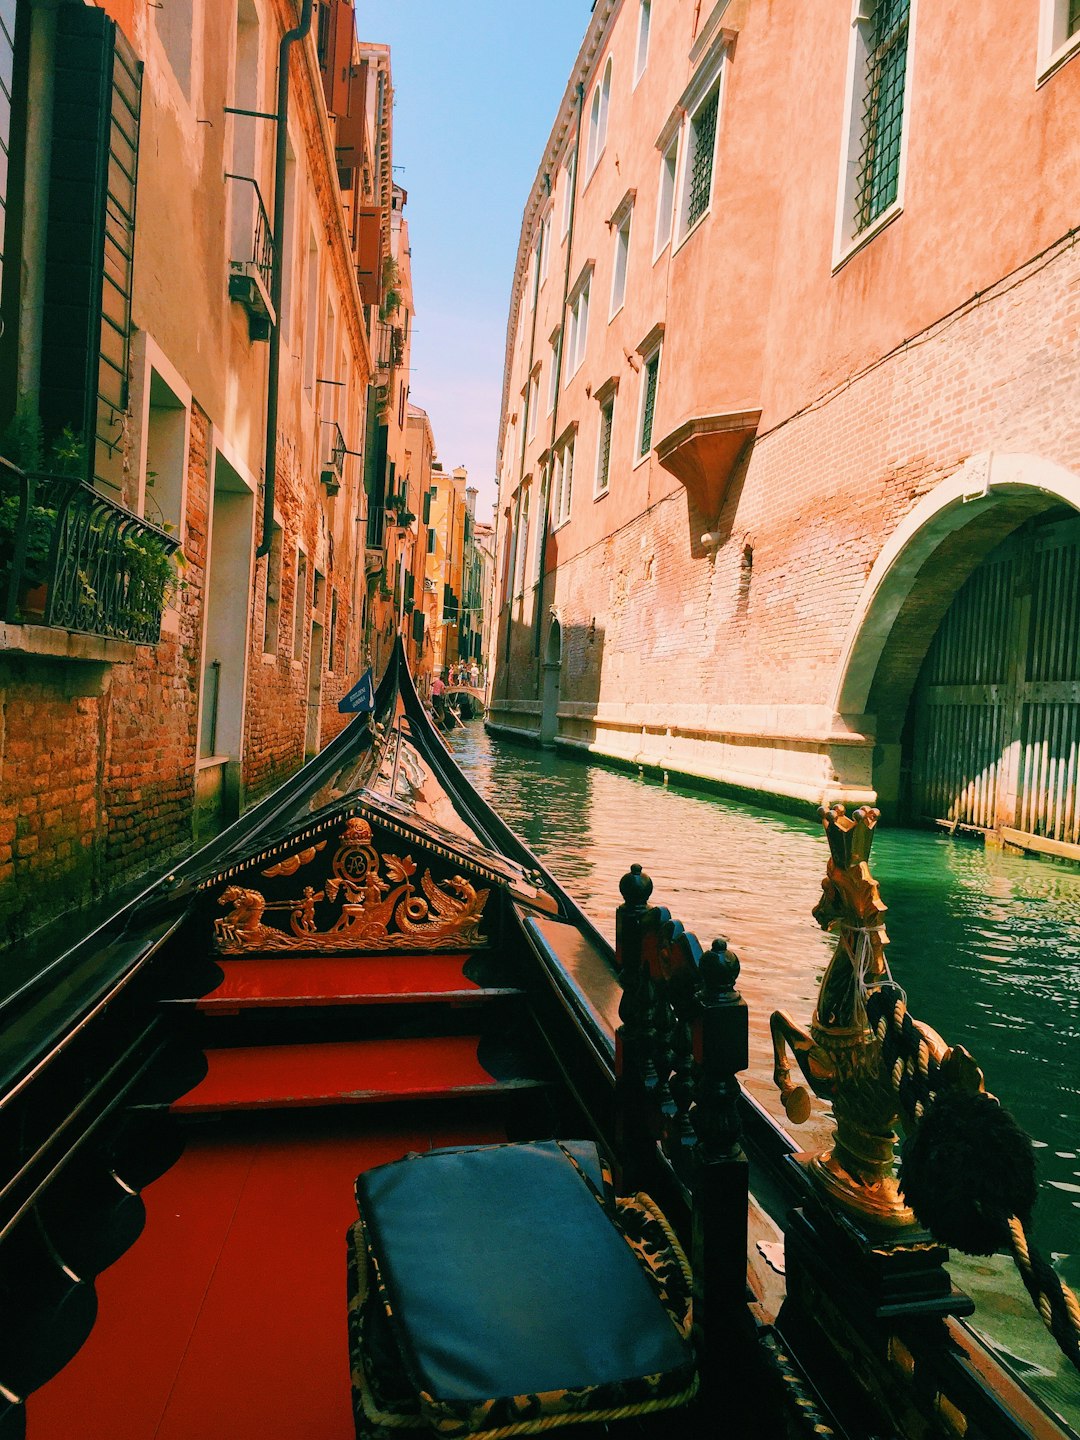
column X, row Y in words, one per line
column 914, row 1074
column 1053, row 1299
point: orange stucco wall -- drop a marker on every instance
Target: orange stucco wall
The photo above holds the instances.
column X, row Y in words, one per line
column 878, row 371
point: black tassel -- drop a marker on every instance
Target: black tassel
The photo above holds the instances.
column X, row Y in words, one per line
column 966, row 1170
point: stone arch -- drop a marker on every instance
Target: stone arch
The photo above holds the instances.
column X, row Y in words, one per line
column 918, row 573
column 549, row 707
column 553, row 652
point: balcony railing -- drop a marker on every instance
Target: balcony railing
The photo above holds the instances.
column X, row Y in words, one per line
column 333, row 457
column 389, row 346
column 73, row 559
column 251, row 267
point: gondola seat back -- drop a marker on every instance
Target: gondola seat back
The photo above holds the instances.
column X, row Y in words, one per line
column 503, row 1286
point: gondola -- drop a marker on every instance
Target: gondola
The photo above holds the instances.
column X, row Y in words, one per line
column 288, row 1138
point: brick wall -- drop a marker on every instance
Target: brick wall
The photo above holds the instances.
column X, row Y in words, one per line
column 706, row 640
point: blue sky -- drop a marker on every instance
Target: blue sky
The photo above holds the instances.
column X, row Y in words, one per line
column 477, row 85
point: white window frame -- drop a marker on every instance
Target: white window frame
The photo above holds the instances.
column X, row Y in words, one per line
column 562, row 478
column 641, row 49
column 568, row 192
column 533, row 401
column 602, row 484
column 1055, row 44
column 650, row 349
column 577, row 325
column 545, row 246
column 620, row 224
column 665, row 195
column 523, row 537
column 598, row 121
column 541, row 510
column 846, row 241
column 710, row 80
column 553, row 379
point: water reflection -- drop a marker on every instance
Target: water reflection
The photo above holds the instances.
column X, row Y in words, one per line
column 986, row 944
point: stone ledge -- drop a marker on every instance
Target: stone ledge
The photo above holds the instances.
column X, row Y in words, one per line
column 50, row 643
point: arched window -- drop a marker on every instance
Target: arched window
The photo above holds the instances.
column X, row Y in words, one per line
column 598, row 118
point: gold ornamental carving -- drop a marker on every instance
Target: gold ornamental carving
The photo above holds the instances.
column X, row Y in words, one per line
column 377, row 901
column 840, row 1056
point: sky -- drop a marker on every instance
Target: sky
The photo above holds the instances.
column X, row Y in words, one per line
column 477, row 84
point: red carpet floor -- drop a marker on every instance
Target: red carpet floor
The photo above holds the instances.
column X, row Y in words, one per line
column 226, row 1319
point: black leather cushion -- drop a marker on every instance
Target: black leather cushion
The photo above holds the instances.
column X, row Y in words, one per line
column 510, row 1291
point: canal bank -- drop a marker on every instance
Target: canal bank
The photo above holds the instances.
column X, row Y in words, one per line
column 986, row 944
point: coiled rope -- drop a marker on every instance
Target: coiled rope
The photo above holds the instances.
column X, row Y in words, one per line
column 967, row 1168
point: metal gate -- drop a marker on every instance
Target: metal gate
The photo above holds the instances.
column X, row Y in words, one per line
column 997, row 704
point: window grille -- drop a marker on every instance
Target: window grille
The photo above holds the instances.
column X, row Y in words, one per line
column 652, row 371
column 704, row 140
column 568, row 478
column 603, row 463
column 883, row 110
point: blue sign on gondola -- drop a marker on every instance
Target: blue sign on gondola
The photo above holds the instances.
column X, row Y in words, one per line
column 361, row 697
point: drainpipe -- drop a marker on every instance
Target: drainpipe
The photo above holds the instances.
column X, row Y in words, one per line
column 288, row 40
column 539, row 617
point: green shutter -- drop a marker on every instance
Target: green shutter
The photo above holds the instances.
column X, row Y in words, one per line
column 86, row 316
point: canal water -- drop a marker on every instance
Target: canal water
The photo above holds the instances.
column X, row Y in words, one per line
column 987, row 946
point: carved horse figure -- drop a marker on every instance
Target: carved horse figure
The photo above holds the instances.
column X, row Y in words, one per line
column 840, row 1055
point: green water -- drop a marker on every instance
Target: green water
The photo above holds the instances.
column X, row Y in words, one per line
column 987, row 946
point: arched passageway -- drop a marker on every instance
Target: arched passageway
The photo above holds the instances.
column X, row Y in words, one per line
column 985, row 742
column 549, row 713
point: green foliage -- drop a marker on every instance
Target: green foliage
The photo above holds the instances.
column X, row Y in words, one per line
column 391, row 287
column 153, row 570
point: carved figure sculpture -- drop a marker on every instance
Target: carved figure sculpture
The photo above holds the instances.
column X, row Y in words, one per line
column 840, row 1056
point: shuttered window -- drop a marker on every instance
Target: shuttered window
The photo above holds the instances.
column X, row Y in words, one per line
column 90, row 244
column 7, row 71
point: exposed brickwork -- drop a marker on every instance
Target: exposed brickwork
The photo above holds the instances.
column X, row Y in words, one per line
column 643, row 622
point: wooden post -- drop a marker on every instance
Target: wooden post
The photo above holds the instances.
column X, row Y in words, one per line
column 721, row 1188
column 635, row 1076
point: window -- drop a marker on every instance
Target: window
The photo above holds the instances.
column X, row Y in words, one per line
column 562, row 481
column 553, row 378
column 538, row 546
column 598, row 116
column 603, row 449
column 1059, row 34
column 545, row 246
column 332, row 640
column 312, row 317
column 300, row 605
column 533, row 402
column 641, row 59
column 700, row 162
column 272, row 609
column 523, row 549
column 174, row 27
column 431, row 542
column 578, row 332
column 871, row 181
column 665, row 200
column 650, row 375
column 166, row 455
column 568, row 193
column 618, row 272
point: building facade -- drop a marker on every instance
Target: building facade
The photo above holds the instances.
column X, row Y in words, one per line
column 201, row 272
column 789, row 391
